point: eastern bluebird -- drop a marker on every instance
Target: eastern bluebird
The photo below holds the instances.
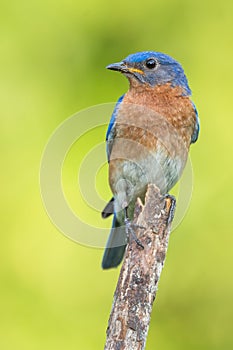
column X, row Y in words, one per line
column 148, row 139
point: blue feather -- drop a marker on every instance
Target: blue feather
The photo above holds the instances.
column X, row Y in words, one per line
column 110, row 126
column 197, row 126
column 113, row 117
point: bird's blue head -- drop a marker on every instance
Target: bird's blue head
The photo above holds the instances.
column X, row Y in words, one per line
column 153, row 68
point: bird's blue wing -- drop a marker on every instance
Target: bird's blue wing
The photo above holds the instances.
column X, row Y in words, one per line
column 110, row 132
column 197, row 127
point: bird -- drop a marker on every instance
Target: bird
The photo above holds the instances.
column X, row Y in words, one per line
column 147, row 141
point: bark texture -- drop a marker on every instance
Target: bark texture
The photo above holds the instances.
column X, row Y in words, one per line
column 138, row 281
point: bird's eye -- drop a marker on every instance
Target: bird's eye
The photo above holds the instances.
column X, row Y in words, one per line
column 151, row 63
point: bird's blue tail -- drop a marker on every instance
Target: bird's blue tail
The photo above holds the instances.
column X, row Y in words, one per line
column 115, row 247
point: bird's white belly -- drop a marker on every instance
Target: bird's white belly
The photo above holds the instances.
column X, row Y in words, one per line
column 157, row 168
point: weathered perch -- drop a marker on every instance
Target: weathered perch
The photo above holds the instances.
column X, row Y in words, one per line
column 138, row 281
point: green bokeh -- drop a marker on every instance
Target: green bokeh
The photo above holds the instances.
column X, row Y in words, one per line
column 53, row 293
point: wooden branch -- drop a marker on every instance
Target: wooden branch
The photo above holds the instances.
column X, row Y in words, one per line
column 138, row 281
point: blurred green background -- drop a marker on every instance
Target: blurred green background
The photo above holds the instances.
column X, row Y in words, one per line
column 53, row 293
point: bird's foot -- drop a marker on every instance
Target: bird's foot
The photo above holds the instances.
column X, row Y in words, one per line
column 171, row 202
column 131, row 233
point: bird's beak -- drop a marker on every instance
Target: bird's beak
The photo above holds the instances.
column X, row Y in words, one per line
column 119, row 67
column 123, row 68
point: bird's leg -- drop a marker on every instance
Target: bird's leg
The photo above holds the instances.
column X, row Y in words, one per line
column 130, row 230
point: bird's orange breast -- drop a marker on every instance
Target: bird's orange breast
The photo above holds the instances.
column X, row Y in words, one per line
column 158, row 106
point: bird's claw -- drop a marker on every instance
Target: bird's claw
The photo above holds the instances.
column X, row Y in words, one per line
column 130, row 231
column 172, row 207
